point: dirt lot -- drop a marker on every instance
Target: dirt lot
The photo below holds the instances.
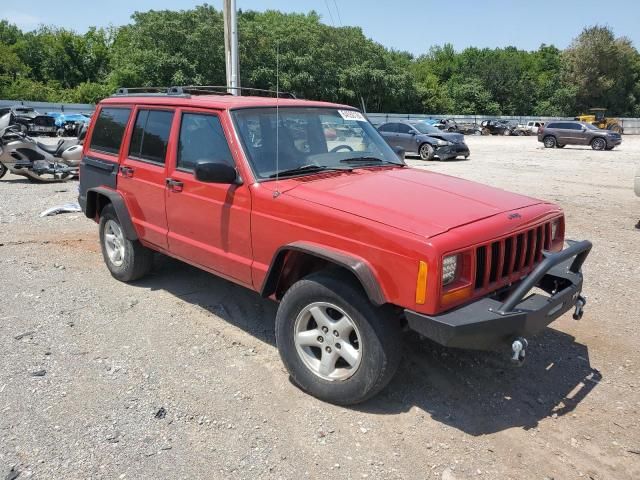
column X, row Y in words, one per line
column 177, row 376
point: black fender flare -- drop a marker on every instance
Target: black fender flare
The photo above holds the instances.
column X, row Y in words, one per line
column 358, row 267
column 119, row 206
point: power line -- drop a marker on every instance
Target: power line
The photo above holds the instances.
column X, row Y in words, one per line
column 326, row 4
column 337, row 12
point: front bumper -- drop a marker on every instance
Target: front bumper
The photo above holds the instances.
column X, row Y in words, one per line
column 452, row 151
column 490, row 323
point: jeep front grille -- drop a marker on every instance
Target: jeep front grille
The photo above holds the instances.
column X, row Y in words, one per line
column 507, row 260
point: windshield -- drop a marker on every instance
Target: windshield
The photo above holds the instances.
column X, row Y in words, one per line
column 309, row 139
column 425, row 128
column 589, row 126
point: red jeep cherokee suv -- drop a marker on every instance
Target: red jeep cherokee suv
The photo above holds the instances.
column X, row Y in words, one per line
column 305, row 202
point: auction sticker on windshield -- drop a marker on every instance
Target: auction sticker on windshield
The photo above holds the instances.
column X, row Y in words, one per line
column 352, row 115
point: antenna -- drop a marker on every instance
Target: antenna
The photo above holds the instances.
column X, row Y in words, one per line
column 276, row 193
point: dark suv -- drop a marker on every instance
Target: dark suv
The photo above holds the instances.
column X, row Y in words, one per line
column 561, row 133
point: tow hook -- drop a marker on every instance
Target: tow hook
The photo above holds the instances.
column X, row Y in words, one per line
column 580, row 303
column 519, row 349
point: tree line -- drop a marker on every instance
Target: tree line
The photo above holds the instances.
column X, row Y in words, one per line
column 318, row 61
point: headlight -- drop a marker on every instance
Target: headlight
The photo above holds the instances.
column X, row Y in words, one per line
column 442, row 143
column 449, row 269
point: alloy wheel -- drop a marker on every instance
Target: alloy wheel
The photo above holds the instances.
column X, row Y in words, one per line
column 328, row 341
column 114, row 242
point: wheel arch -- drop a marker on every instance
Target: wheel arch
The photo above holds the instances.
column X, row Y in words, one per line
column 100, row 197
column 296, row 260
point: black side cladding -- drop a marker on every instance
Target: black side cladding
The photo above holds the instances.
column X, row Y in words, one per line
column 95, row 173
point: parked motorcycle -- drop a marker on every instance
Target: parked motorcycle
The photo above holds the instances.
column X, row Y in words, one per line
column 38, row 162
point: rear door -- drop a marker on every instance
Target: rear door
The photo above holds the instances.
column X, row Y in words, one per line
column 390, row 133
column 406, row 137
column 142, row 172
column 209, row 223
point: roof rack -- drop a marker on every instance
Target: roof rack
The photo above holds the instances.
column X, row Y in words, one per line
column 224, row 90
column 188, row 90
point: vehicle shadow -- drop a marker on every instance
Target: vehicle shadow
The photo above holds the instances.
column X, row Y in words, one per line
column 476, row 392
column 482, row 392
column 236, row 305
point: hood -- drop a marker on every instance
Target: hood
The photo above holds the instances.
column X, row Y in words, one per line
column 414, row 200
column 449, row 137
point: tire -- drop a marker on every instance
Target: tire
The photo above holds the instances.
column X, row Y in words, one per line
column 616, row 128
column 506, row 132
column 485, row 131
column 598, row 143
column 549, row 141
column 374, row 339
column 426, row 151
column 3, row 170
column 127, row 260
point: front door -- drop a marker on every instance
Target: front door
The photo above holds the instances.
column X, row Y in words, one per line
column 209, row 223
column 407, row 138
column 142, row 173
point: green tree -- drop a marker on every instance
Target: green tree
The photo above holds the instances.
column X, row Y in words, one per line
column 604, row 69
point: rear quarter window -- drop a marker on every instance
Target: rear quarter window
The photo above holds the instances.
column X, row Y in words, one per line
column 109, row 130
column 151, row 135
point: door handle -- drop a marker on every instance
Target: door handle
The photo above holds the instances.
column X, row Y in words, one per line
column 127, row 171
column 174, row 185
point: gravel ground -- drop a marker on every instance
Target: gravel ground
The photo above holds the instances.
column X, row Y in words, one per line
column 178, row 376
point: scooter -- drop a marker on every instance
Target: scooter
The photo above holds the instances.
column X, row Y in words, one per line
column 38, row 162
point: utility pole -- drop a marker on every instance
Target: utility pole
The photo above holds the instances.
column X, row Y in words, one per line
column 231, row 45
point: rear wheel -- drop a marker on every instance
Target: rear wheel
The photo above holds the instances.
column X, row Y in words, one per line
column 598, row 143
column 335, row 344
column 426, row 152
column 127, row 260
column 549, row 141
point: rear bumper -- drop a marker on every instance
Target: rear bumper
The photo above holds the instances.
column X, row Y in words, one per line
column 452, row 151
column 490, row 323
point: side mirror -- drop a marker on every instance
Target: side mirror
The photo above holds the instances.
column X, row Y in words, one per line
column 400, row 152
column 412, row 132
column 215, row 172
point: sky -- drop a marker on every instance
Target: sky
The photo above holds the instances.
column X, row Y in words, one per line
column 409, row 25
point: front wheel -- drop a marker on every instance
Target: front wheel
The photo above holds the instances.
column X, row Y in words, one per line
column 336, row 345
column 127, row 260
column 426, row 152
column 3, row 170
column 598, row 143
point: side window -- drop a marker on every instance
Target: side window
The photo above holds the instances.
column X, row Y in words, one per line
column 576, row 126
column 388, row 127
column 404, row 128
column 202, row 138
column 151, row 135
column 553, row 125
column 109, row 130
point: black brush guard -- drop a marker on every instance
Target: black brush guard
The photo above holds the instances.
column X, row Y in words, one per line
column 491, row 323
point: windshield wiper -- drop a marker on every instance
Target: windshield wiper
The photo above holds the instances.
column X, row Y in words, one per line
column 310, row 168
column 370, row 160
